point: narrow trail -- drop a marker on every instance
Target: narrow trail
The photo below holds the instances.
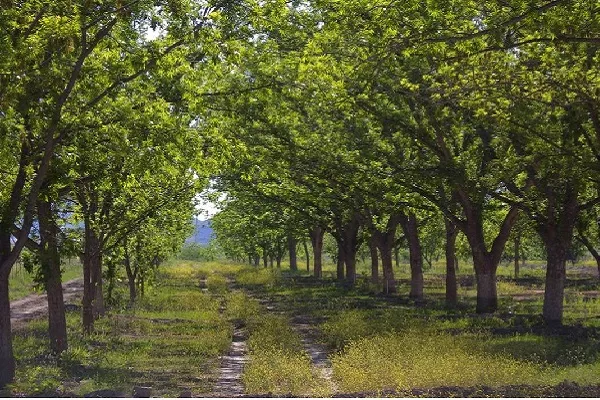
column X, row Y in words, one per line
column 36, row 305
column 230, row 382
column 232, row 366
column 307, row 328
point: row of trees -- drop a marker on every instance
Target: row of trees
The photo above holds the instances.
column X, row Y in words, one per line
column 383, row 115
column 101, row 147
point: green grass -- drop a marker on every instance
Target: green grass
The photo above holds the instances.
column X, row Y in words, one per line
column 171, row 340
column 173, row 337
column 277, row 363
column 21, row 283
column 413, row 359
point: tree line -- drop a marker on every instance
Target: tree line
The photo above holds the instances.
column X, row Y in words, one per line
column 382, row 116
column 313, row 116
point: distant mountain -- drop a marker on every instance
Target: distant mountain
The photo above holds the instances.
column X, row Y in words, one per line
column 202, row 232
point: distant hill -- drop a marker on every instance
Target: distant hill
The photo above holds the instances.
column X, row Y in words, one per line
column 202, row 232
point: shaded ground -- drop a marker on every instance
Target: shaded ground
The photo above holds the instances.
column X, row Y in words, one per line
column 36, row 305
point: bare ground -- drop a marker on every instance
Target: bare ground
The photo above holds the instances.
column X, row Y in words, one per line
column 36, row 305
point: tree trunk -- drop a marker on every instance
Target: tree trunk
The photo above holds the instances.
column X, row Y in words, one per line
column 487, row 296
column 316, row 238
column 130, row 278
column 397, row 256
column 341, row 261
column 350, row 261
column 486, row 262
column 347, row 236
column 256, row 260
column 374, row 260
column 50, row 260
column 265, row 258
column 292, row 253
column 517, row 249
column 92, row 276
column 451, row 287
column 555, row 289
column 385, row 242
column 307, row 256
column 389, row 283
column 7, row 358
column 271, row 260
column 556, row 242
column 411, row 231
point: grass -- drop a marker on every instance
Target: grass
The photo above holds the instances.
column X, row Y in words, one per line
column 171, row 340
column 21, row 283
column 278, row 365
column 411, row 359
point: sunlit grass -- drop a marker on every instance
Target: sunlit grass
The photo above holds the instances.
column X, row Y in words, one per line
column 409, row 360
column 170, row 340
column 277, row 362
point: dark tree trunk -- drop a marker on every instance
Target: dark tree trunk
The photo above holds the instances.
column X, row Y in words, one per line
column 50, row 260
column 341, row 261
column 316, row 238
column 397, row 256
column 486, row 262
column 374, row 260
column 131, row 278
column 385, row 242
column 7, row 359
column 487, row 296
column 256, row 260
column 92, row 277
column 265, row 257
column 271, row 260
column 292, row 253
column 307, row 255
column 347, row 236
column 517, row 249
column 411, row 231
column 557, row 233
column 451, row 287
column 555, row 285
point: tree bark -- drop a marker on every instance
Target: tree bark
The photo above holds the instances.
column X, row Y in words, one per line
column 307, row 256
column 7, row 359
column 347, row 235
column 411, row 231
column 316, row 238
column 385, row 241
column 50, row 260
column 556, row 236
column 265, row 258
column 130, row 278
column 341, row 261
column 292, row 253
column 374, row 260
column 517, row 249
column 486, row 262
column 92, row 276
column 451, row 286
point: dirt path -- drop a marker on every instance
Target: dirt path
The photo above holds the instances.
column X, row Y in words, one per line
column 232, row 366
column 36, row 305
column 319, row 355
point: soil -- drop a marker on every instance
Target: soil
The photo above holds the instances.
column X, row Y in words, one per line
column 36, row 305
